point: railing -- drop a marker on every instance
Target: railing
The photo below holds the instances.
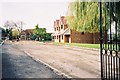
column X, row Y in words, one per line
column 109, row 49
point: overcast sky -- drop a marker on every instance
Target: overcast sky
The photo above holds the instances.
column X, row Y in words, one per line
column 32, row 12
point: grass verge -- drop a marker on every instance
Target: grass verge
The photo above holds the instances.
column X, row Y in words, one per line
column 96, row 46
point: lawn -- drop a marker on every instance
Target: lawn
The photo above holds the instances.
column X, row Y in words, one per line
column 96, row 46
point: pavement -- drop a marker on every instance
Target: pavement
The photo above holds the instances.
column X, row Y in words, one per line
column 1, row 59
column 17, row 64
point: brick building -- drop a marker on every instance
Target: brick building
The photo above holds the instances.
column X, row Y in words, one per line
column 26, row 34
column 62, row 33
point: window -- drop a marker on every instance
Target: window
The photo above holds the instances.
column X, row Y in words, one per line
column 82, row 33
column 62, row 36
column 55, row 29
column 61, row 26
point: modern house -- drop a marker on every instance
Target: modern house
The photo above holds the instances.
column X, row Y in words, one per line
column 62, row 33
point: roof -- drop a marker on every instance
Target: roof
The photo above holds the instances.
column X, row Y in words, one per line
column 66, row 32
column 29, row 30
column 53, row 34
column 61, row 21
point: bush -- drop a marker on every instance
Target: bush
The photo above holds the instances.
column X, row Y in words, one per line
column 33, row 37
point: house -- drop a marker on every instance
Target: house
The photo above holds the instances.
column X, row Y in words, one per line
column 23, row 35
column 62, row 33
column 26, row 34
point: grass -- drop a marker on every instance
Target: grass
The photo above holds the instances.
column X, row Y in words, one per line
column 111, row 46
column 96, row 46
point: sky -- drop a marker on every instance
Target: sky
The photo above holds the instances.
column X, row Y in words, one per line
column 32, row 12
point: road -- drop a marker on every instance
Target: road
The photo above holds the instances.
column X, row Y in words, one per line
column 72, row 61
column 17, row 64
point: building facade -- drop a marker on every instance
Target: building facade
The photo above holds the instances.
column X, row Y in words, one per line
column 26, row 34
column 62, row 33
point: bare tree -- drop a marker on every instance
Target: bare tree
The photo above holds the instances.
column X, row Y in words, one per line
column 10, row 25
column 20, row 24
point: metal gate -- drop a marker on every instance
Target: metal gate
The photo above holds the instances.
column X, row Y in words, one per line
column 109, row 41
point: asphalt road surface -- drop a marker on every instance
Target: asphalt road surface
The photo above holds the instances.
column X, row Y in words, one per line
column 16, row 64
column 75, row 62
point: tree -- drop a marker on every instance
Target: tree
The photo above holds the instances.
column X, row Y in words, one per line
column 116, row 18
column 13, row 28
column 20, row 24
column 15, row 33
column 39, row 32
column 85, row 17
column 9, row 24
column 48, row 36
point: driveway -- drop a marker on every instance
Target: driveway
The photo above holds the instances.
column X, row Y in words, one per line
column 72, row 61
column 16, row 64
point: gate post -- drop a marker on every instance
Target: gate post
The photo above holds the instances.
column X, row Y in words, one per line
column 101, row 40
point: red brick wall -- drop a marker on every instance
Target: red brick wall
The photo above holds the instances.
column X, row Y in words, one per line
column 96, row 38
column 78, row 37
